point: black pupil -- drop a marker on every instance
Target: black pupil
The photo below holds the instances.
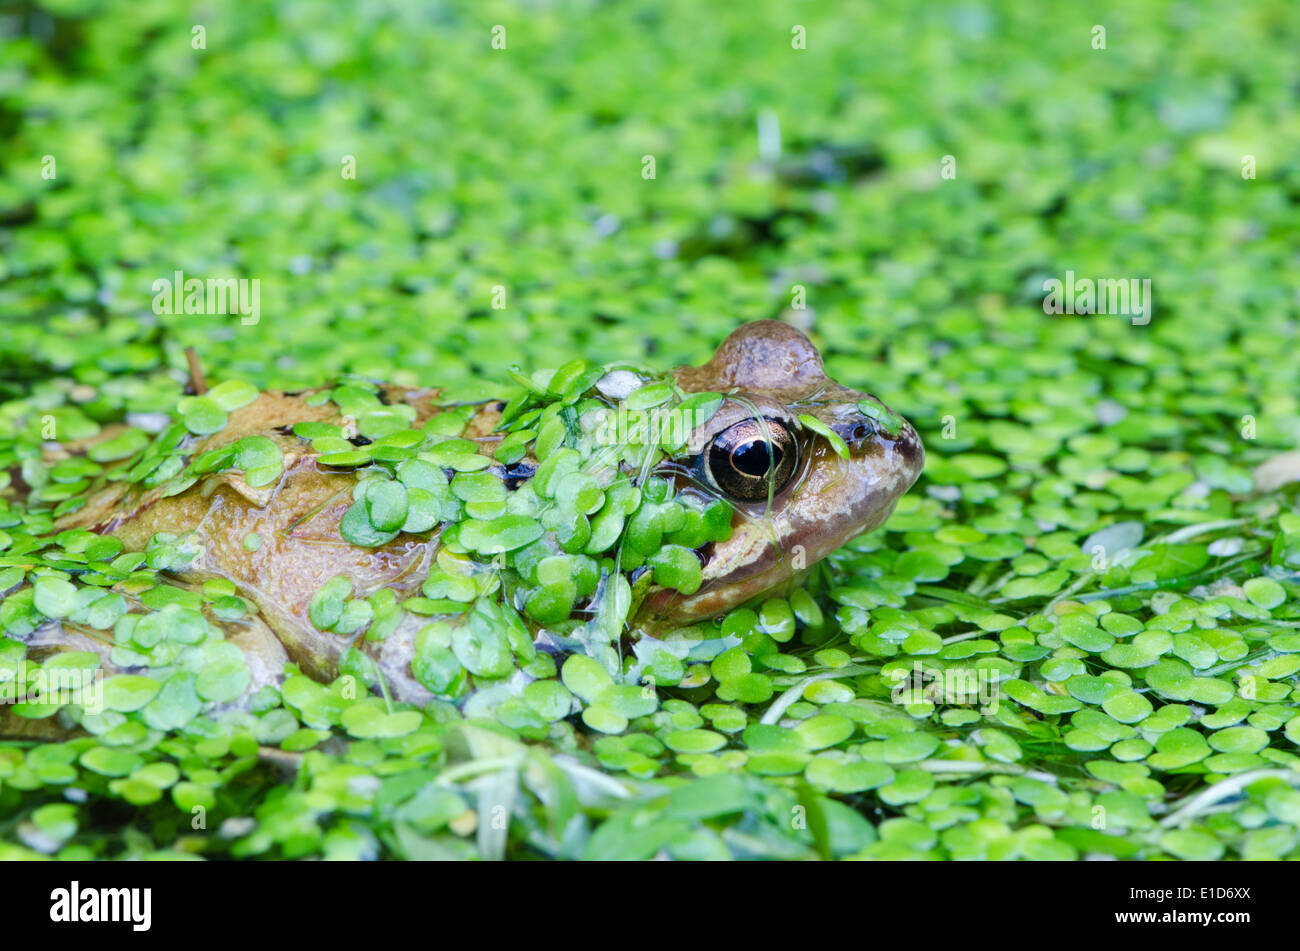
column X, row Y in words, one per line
column 751, row 458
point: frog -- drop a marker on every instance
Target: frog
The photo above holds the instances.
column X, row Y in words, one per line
column 377, row 530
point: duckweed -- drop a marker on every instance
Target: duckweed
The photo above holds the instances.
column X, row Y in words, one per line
column 1074, row 637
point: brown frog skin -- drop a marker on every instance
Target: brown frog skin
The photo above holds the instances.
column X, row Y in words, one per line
column 765, row 368
column 829, row 500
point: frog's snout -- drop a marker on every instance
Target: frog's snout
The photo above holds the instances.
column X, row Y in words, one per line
column 865, row 438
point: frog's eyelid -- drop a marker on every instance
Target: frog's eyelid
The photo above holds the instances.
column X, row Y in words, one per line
column 779, row 473
column 759, row 417
column 738, row 408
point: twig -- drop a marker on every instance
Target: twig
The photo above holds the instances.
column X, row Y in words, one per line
column 198, row 386
column 1224, row 789
column 289, row 762
column 968, row 766
column 1186, row 581
column 792, row 695
column 1191, row 531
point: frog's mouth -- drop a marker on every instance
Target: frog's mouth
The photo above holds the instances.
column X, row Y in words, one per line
column 831, row 501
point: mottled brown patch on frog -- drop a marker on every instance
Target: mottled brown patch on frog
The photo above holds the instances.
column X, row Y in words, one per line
column 301, row 549
column 104, row 510
column 272, row 411
column 424, row 401
column 482, row 424
column 909, row 446
column 763, row 355
column 298, row 521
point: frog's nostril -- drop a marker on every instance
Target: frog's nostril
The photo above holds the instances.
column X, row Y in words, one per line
column 856, row 432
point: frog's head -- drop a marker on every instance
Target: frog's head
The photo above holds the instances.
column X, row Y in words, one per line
column 796, row 498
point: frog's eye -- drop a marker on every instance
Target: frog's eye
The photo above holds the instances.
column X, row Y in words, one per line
column 743, row 459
